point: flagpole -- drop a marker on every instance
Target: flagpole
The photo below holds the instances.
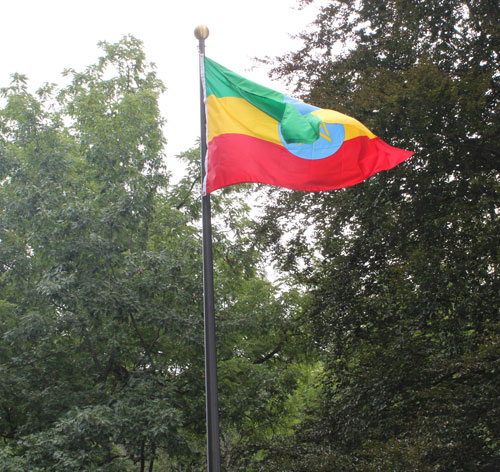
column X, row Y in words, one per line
column 212, row 408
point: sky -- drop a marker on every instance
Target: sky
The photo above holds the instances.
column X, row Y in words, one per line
column 42, row 38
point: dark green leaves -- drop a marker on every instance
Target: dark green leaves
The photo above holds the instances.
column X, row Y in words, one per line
column 404, row 285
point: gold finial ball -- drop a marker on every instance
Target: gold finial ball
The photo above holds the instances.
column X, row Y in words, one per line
column 201, row 32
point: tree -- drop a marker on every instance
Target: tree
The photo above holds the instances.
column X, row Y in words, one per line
column 262, row 365
column 94, row 289
column 402, row 270
column 101, row 326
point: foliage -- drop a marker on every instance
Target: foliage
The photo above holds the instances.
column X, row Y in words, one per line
column 402, row 270
column 261, row 359
column 101, row 327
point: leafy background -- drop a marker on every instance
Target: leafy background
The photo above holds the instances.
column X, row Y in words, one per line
column 374, row 346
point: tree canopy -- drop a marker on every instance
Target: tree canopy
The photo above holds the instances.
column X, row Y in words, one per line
column 376, row 348
column 402, row 271
column 101, row 325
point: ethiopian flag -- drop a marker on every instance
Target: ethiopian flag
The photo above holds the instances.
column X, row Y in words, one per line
column 258, row 135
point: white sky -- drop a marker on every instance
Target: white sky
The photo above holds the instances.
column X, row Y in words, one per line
column 40, row 38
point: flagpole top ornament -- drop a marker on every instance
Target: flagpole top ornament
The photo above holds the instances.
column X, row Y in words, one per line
column 201, row 32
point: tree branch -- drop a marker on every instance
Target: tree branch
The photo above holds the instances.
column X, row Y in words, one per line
column 269, row 356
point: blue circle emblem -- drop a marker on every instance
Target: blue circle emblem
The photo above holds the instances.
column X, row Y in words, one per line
column 331, row 137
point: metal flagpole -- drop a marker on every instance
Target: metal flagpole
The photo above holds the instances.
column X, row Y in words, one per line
column 213, row 445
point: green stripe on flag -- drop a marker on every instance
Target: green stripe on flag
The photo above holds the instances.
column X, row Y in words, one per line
column 295, row 127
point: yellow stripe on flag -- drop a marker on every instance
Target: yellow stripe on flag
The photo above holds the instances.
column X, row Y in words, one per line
column 353, row 128
column 234, row 115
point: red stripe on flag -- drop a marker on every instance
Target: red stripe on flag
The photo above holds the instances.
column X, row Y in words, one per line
column 237, row 158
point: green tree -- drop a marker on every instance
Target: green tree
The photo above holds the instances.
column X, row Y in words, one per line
column 94, row 290
column 101, row 326
column 262, row 363
column 402, row 270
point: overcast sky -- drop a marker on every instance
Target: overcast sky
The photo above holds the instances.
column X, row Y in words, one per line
column 40, row 38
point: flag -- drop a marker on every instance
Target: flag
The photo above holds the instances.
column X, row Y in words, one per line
column 258, row 135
